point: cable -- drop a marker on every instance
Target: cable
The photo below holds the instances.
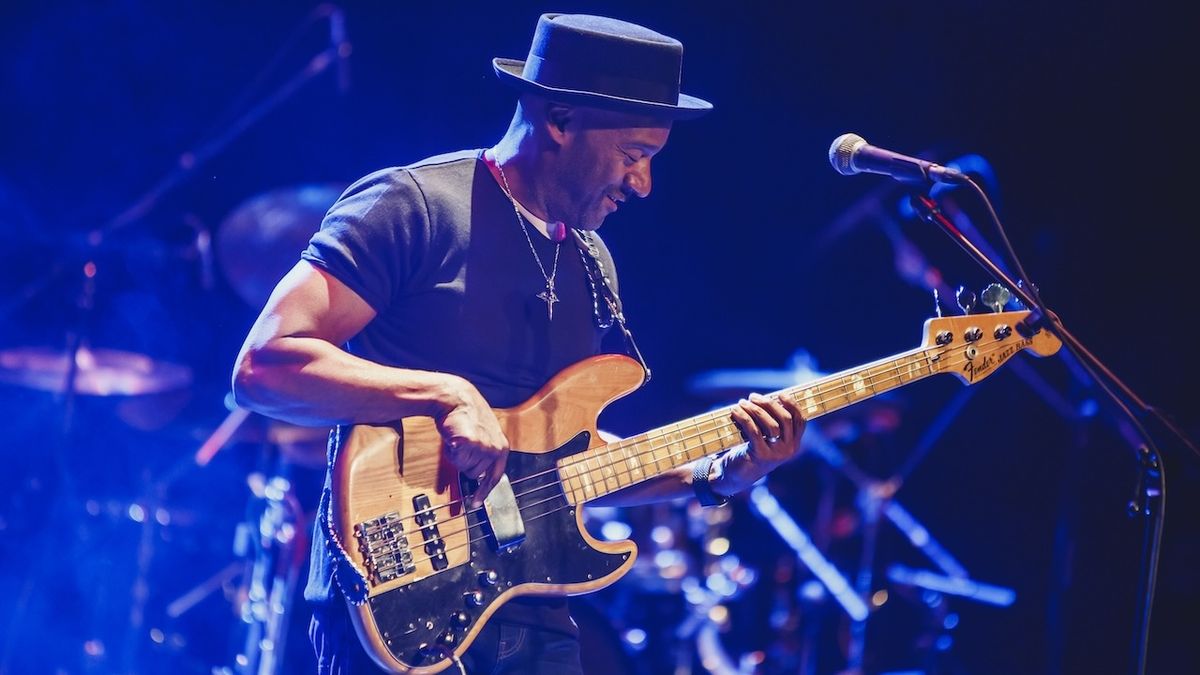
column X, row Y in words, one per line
column 1150, row 461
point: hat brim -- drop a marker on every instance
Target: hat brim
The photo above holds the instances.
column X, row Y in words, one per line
column 688, row 107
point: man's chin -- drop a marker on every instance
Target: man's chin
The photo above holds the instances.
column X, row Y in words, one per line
column 594, row 222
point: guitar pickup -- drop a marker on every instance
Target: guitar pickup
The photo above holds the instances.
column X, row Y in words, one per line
column 426, row 519
column 384, row 547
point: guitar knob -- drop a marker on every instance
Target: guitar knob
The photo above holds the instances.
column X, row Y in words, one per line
column 965, row 298
column 489, row 578
column 474, row 598
column 448, row 640
column 460, row 619
column 995, row 296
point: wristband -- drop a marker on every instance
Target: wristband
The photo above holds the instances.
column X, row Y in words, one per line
column 702, row 487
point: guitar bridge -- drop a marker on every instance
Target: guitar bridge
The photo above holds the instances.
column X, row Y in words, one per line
column 426, row 519
column 384, row 547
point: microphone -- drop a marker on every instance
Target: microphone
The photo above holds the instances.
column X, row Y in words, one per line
column 850, row 154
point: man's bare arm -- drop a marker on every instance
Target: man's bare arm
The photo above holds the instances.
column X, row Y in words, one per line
column 292, row 367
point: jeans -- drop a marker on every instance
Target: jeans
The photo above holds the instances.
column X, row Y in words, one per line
column 499, row 648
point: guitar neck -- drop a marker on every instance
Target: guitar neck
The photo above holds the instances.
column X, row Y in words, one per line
column 606, row 469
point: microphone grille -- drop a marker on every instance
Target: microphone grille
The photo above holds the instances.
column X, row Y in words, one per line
column 842, row 151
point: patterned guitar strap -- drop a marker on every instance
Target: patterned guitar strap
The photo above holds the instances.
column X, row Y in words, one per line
column 606, row 303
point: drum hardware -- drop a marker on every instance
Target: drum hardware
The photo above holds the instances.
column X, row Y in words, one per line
column 766, row 506
column 273, row 543
column 81, row 367
column 876, row 498
column 684, row 576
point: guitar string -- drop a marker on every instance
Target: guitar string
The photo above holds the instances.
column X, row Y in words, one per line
column 719, row 417
column 472, row 526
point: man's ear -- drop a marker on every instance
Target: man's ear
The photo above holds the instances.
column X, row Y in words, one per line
column 558, row 118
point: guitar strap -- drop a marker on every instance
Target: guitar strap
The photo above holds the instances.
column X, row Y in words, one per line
column 606, row 310
column 606, row 303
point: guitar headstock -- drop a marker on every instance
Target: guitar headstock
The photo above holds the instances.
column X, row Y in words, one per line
column 976, row 345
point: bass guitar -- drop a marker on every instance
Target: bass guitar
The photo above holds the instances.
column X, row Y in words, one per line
column 422, row 573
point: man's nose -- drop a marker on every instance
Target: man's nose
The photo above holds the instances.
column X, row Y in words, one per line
column 638, row 179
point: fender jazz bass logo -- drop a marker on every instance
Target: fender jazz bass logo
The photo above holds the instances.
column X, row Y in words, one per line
column 981, row 365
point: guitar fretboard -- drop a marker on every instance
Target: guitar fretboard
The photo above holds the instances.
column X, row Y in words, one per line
column 606, row 469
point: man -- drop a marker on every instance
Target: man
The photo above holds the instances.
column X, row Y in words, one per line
column 456, row 288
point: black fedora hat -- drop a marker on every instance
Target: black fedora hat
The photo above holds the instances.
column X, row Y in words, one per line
column 604, row 63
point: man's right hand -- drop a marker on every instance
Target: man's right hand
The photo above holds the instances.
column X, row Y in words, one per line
column 474, row 441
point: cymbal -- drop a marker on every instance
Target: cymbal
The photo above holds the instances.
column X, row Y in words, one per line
column 100, row 372
column 732, row 383
column 876, row 415
column 261, row 239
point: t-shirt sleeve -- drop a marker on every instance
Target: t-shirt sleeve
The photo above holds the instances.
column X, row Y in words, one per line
column 373, row 237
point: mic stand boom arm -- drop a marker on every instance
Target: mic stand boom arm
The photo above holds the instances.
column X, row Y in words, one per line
column 1152, row 480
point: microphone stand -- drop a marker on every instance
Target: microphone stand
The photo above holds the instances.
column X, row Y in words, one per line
column 1151, row 480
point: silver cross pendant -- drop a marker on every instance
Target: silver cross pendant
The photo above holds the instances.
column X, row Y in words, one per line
column 547, row 296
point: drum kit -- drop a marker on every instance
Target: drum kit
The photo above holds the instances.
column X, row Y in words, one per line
column 142, row 530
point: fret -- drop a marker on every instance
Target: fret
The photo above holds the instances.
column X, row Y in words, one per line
column 675, row 445
column 713, row 436
column 585, row 476
column 580, row 488
column 635, row 467
column 858, row 388
column 576, row 488
column 914, row 369
column 565, row 473
column 611, row 467
column 669, row 451
column 624, row 477
column 653, row 452
column 597, row 469
column 680, row 448
column 610, row 475
column 808, row 404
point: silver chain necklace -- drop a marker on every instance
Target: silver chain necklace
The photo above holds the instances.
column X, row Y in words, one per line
column 547, row 296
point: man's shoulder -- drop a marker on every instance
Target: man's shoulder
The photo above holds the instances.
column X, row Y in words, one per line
column 411, row 183
column 449, row 161
column 462, row 162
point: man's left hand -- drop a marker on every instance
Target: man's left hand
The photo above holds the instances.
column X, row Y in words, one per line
column 773, row 427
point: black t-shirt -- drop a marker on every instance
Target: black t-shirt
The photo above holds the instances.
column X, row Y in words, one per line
column 436, row 250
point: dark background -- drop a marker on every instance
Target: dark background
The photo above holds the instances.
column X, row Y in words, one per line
column 750, row 249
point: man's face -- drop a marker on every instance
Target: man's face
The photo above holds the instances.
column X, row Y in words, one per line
column 604, row 160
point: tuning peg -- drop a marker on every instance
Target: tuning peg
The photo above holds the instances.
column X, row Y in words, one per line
column 1016, row 303
column 965, row 298
column 995, row 296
